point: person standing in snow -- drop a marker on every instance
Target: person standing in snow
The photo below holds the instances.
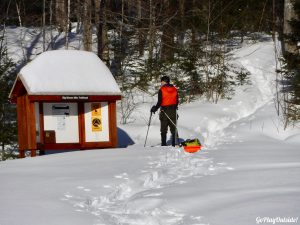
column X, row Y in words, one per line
column 168, row 104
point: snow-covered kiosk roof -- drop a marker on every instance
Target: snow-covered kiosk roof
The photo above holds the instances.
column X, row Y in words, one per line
column 67, row 72
column 60, row 83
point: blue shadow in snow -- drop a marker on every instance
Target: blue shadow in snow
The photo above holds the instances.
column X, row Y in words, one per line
column 124, row 140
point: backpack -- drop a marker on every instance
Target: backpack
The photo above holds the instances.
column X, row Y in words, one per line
column 191, row 142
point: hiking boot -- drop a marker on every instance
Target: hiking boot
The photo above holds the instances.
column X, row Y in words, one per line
column 163, row 139
column 173, row 141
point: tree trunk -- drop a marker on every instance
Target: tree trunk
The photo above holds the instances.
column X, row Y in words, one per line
column 97, row 23
column 289, row 14
column 44, row 24
column 67, row 25
column 141, row 35
column 168, row 33
column 151, row 30
column 61, row 14
column 50, row 24
column 103, row 50
column 209, row 93
column 194, row 8
column 181, row 32
column 87, row 26
column 19, row 14
column 79, row 15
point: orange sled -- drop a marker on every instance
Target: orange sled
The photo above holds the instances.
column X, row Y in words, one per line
column 192, row 149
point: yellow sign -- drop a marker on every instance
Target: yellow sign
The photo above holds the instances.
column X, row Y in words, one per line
column 96, row 117
column 96, row 109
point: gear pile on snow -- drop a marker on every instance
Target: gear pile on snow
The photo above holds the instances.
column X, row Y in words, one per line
column 191, row 145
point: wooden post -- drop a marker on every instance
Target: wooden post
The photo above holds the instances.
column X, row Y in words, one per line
column 21, row 153
column 26, row 125
column 81, row 124
column 33, row 152
column 113, row 131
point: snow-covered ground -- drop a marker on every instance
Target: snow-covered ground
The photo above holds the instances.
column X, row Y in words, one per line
column 247, row 173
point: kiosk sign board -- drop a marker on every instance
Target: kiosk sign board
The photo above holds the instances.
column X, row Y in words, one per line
column 96, row 117
column 63, row 119
column 65, row 104
column 96, row 121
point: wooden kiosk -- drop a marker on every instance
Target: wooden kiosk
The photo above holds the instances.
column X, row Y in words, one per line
column 66, row 100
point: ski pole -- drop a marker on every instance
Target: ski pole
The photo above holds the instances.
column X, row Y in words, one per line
column 148, row 129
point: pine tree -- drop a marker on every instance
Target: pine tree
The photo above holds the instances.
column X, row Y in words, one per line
column 8, row 129
column 292, row 59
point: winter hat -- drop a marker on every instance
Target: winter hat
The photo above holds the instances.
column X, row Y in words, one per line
column 165, row 79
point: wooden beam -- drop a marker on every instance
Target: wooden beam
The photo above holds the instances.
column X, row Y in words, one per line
column 31, row 125
column 33, row 153
column 21, row 153
column 113, row 131
column 26, row 124
column 18, row 90
column 73, row 98
column 42, row 133
column 81, row 123
column 59, row 146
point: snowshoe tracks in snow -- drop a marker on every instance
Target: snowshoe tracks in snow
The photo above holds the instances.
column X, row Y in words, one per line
column 140, row 201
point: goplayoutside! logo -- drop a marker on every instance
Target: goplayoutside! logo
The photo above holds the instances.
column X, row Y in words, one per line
column 275, row 220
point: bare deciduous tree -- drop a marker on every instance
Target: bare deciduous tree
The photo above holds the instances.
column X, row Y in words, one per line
column 289, row 14
column 87, row 25
column 61, row 14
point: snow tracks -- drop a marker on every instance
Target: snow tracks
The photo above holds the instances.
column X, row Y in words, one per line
column 139, row 199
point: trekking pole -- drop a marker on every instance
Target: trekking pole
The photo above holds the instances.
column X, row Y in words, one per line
column 176, row 133
column 148, row 129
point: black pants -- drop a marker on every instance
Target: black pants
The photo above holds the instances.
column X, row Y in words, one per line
column 168, row 120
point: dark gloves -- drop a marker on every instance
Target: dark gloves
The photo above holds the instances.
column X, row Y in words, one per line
column 153, row 109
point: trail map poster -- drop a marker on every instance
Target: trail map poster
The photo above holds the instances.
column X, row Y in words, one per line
column 61, row 111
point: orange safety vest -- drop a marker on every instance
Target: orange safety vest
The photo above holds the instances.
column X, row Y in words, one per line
column 169, row 95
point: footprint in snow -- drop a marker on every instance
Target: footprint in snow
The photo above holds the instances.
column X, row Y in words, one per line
column 140, row 201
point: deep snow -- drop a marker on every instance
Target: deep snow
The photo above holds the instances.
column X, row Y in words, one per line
column 82, row 71
column 247, row 173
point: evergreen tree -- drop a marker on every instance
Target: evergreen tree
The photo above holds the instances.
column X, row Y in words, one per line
column 292, row 70
column 8, row 128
